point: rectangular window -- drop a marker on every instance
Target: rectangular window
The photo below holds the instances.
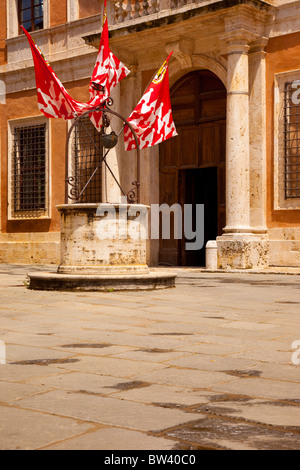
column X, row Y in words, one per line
column 291, row 142
column 28, row 170
column 31, row 14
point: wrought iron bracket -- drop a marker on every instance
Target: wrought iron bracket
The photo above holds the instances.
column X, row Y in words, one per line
column 75, row 193
column 132, row 193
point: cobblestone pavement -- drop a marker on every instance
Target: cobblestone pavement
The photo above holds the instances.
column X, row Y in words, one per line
column 210, row 364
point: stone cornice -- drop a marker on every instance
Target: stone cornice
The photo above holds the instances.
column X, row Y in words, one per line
column 71, row 48
column 172, row 17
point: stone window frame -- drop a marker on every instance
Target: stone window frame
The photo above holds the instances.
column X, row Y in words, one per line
column 280, row 201
column 72, row 10
column 13, row 20
column 34, row 214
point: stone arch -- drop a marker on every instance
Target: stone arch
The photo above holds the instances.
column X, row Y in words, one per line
column 198, row 62
column 192, row 166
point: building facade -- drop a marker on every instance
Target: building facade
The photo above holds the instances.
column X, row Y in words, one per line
column 234, row 80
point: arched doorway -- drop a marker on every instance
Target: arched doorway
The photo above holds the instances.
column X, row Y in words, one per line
column 192, row 165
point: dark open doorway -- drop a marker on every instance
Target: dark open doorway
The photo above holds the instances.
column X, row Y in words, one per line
column 199, row 186
column 192, row 165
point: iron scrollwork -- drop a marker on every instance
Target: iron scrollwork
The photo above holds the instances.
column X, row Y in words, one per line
column 108, row 142
column 74, row 191
column 132, row 196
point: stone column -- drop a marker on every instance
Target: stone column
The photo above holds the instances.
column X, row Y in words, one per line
column 237, row 146
column 238, row 248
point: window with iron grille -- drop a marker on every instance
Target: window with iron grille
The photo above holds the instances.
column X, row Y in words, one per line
column 31, row 14
column 291, row 143
column 28, row 172
column 87, row 155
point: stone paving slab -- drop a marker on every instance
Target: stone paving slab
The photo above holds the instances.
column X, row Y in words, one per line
column 25, row 430
column 207, row 365
column 16, row 373
column 82, row 383
column 114, row 439
column 165, row 395
column 105, row 410
column 10, row 392
column 260, row 411
column 261, row 388
column 109, row 366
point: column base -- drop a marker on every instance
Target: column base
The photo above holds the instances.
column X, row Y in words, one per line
column 242, row 251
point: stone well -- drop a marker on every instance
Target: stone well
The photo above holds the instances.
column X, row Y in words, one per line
column 103, row 247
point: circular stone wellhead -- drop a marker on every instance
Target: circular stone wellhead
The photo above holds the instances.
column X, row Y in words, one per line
column 103, row 248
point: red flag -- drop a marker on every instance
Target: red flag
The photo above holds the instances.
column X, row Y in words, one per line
column 108, row 72
column 53, row 99
column 152, row 118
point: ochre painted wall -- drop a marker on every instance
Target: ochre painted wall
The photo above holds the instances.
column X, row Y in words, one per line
column 89, row 7
column 21, row 105
column 283, row 54
column 2, row 32
column 58, row 12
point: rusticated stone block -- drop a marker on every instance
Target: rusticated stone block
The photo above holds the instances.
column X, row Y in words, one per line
column 242, row 253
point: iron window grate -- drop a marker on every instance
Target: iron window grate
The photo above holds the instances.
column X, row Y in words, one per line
column 29, row 168
column 87, row 157
column 291, row 143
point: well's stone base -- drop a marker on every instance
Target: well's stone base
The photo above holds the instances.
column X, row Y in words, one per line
column 103, row 248
column 108, row 283
column 242, row 252
column 103, row 270
column 103, row 238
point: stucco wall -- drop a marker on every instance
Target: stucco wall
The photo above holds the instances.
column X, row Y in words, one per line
column 89, row 7
column 283, row 54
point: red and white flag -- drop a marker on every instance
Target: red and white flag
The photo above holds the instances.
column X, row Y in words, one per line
column 152, row 118
column 53, row 99
column 108, row 72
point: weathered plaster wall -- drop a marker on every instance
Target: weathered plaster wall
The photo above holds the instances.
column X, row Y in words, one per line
column 283, row 55
column 2, row 32
column 89, row 7
column 58, row 12
column 35, row 241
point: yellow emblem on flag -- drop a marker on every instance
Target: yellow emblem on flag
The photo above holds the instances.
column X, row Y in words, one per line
column 104, row 15
column 161, row 73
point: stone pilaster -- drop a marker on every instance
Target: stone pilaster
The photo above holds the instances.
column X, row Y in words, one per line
column 258, row 146
column 72, row 10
